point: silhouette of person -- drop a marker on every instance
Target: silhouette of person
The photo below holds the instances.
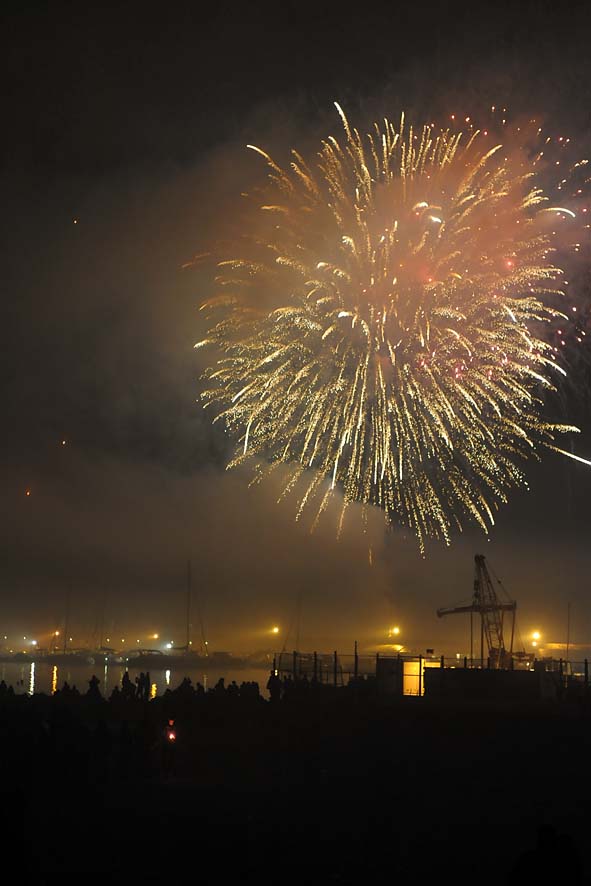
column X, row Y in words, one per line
column 288, row 686
column 274, row 686
column 93, row 687
column 127, row 687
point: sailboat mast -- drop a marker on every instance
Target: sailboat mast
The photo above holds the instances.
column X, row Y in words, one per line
column 199, row 612
column 188, row 604
column 102, row 621
column 67, row 619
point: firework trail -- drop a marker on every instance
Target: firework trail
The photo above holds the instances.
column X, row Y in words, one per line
column 384, row 335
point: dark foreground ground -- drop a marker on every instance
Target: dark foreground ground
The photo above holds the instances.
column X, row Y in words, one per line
column 327, row 786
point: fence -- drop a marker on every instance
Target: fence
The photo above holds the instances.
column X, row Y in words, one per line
column 404, row 673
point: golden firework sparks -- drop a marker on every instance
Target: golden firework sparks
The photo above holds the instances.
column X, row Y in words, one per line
column 407, row 274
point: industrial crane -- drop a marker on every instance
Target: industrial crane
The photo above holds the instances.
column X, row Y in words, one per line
column 492, row 614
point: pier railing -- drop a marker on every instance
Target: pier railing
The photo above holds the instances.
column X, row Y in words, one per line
column 405, row 672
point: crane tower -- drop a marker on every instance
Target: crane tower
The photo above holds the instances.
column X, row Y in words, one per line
column 492, row 613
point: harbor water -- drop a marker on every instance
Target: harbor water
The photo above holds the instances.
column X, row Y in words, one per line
column 35, row 677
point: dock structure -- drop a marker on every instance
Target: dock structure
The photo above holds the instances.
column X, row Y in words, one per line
column 406, row 674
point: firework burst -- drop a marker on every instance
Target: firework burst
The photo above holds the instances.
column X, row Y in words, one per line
column 383, row 336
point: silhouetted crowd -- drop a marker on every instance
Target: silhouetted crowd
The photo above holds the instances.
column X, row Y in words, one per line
column 385, row 782
column 280, row 688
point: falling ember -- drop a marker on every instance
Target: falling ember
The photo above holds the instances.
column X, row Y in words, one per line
column 401, row 360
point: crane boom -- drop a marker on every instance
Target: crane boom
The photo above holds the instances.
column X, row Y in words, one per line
column 492, row 611
column 452, row 610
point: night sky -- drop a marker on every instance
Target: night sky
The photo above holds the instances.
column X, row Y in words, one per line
column 123, row 153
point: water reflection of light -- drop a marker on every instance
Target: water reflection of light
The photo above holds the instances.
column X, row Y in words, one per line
column 54, row 679
column 153, row 690
column 106, row 679
column 32, row 679
column 167, row 677
column 205, row 682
